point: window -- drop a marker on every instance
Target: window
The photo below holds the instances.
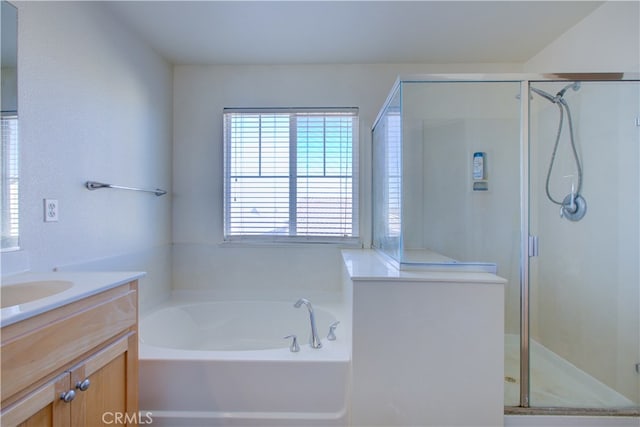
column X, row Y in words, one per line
column 10, row 180
column 291, row 175
column 393, row 171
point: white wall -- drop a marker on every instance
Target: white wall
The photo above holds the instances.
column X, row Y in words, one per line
column 606, row 40
column 95, row 104
column 417, row 339
column 200, row 94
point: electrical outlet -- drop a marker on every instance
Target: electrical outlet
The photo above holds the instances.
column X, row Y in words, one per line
column 50, row 210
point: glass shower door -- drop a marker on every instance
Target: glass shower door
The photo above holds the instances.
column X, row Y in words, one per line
column 584, row 284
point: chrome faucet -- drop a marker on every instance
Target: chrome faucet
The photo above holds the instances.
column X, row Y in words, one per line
column 315, row 341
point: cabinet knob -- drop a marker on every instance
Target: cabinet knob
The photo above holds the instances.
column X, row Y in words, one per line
column 83, row 385
column 68, row 396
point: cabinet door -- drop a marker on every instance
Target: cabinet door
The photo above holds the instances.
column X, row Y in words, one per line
column 44, row 407
column 103, row 393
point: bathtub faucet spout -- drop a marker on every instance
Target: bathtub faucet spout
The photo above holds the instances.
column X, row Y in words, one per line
column 315, row 341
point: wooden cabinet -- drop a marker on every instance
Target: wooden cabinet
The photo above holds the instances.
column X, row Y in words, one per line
column 73, row 366
column 43, row 407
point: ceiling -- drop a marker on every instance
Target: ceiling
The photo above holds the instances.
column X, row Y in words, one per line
column 331, row 32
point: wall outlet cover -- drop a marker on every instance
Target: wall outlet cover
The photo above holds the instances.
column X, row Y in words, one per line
column 50, row 210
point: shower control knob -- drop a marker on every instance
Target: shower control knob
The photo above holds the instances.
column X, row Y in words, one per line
column 573, row 207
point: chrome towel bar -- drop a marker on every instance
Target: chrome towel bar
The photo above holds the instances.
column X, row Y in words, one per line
column 93, row 185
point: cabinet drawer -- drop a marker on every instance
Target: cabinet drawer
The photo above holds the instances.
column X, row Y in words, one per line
column 48, row 347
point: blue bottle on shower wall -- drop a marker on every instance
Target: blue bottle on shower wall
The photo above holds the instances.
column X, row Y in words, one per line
column 478, row 165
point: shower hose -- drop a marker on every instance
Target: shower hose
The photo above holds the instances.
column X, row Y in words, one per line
column 562, row 105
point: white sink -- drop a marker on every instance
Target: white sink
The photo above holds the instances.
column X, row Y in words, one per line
column 21, row 293
column 28, row 294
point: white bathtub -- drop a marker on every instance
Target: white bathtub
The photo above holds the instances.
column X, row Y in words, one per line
column 222, row 363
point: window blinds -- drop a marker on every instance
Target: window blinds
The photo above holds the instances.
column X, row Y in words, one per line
column 10, row 190
column 291, row 174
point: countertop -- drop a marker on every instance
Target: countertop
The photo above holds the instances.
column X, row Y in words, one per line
column 369, row 265
column 84, row 284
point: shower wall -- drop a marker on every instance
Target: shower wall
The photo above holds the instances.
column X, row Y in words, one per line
column 585, row 295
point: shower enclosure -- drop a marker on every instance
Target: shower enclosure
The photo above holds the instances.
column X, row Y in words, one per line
column 534, row 178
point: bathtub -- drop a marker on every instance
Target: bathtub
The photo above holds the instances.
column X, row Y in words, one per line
column 226, row 363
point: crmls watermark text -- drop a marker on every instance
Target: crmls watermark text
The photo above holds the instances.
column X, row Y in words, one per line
column 122, row 418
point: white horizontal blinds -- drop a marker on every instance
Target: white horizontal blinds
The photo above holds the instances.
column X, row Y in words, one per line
column 394, row 169
column 290, row 174
column 324, row 174
column 10, row 192
column 258, row 199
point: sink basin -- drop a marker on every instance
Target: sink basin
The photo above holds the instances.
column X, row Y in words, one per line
column 21, row 293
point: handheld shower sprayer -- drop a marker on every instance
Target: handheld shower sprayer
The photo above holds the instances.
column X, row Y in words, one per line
column 559, row 97
column 545, row 95
column 573, row 206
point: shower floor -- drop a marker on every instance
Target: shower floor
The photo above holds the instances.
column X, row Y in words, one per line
column 555, row 382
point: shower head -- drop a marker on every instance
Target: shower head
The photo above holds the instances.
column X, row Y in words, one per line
column 575, row 86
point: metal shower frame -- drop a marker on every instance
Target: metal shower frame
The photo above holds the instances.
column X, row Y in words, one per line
column 528, row 243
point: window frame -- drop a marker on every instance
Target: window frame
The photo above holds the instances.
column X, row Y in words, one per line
column 293, row 177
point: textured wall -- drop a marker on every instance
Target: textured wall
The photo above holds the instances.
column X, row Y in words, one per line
column 95, row 104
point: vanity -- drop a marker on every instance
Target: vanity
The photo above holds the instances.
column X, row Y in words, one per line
column 69, row 349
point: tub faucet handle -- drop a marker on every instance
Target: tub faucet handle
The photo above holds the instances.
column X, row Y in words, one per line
column 294, row 347
column 331, row 336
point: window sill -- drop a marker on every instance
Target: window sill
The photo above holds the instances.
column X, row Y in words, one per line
column 259, row 243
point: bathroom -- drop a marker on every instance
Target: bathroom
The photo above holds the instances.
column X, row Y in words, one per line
column 97, row 102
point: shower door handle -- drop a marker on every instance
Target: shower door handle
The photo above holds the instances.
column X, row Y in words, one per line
column 533, row 246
